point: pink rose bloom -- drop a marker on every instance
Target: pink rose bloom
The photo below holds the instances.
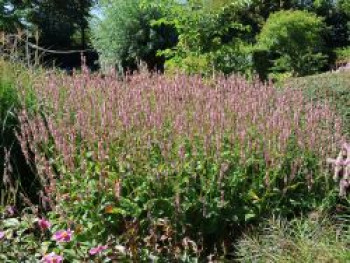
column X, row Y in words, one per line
column 2, row 234
column 44, row 224
column 63, row 235
column 97, row 250
column 52, row 258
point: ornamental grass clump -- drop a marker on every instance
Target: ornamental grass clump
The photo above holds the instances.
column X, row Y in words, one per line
column 304, row 239
column 205, row 156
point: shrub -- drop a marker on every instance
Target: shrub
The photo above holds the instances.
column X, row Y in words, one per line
column 343, row 54
column 174, row 166
column 295, row 39
column 124, row 35
column 209, row 40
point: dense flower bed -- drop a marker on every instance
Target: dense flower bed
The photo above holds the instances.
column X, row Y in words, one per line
column 171, row 167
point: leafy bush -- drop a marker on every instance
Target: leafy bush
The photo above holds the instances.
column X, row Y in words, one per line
column 124, row 35
column 177, row 166
column 209, row 40
column 295, row 40
column 343, row 54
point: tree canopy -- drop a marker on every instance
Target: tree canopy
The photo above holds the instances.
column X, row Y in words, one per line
column 126, row 36
column 195, row 36
column 296, row 39
column 57, row 21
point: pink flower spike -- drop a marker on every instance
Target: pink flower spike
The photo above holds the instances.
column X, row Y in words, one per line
column 52, row 258
column 97, row 250
column 63, row 235
column 2, row 235
column 346, row 146
column 339, row 162
column 44, row 224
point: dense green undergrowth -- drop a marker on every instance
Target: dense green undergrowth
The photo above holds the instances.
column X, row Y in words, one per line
column 162, row 168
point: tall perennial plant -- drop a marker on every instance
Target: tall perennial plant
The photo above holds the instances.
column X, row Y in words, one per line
column 164, row 165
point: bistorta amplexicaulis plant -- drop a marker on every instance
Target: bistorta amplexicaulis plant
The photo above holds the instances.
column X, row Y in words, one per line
column 208, row 155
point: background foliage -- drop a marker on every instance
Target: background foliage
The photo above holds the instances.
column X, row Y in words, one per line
column 295, row 40
column 124, row 35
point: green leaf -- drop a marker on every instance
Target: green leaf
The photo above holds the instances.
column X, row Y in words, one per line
column 11, row 223
column 249, row 216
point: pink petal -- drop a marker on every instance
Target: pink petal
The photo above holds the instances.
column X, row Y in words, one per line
column 97, row 249
column 104, row 247
column 93, row 251
column 44, row 224
column 63, row 235
column 52, row 258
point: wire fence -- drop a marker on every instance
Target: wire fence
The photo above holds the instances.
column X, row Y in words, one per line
column 20, row 47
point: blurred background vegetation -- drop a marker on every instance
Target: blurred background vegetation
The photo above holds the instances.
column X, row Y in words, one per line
column 275, row 39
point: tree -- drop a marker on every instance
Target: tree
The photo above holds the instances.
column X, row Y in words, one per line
column 124, row 36
column 211, row 37
column 81, row 14
column 59, row 20
column 295, row 40
column 345, row 6
column 9, row 16
column 54, row 23
column 336, row 16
